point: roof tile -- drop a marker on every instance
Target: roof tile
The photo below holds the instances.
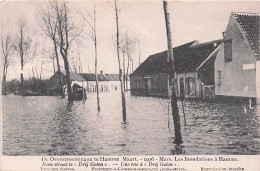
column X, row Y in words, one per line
column 249, row 23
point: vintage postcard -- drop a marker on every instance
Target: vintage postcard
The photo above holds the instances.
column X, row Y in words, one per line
column 130, row 85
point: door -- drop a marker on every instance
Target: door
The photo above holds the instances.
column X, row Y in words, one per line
column 147, row 86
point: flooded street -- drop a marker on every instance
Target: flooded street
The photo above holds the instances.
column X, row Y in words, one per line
column 52, row 126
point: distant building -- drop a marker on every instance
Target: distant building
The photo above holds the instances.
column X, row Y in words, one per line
column 53, row 84
column 151, row 77
column 237, row 65
column 106, row 82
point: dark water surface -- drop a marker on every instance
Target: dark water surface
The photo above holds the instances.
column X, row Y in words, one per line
column 52, row 126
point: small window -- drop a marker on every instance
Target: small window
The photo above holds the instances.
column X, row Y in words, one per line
column 228, row 50
column 219, row 78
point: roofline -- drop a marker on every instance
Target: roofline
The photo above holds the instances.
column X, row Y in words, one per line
column 241, row 29
column 245, row 13
column 208, row 58
column 206, row 43
column 194, row 41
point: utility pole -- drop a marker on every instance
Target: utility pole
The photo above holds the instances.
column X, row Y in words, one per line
column 175, row 110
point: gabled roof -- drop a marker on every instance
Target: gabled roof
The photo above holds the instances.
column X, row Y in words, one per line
column 249, row 24
column 187, row 58
column 197, row 55
column 157, row 63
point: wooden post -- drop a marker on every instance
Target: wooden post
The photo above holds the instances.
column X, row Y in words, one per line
column 175, row 110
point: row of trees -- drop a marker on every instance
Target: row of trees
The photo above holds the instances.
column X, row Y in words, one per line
column 57, row 24
column 55, row 20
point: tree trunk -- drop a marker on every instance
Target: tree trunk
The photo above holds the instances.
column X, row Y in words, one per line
column 22, row 90
column 53, row 65
column 96, row 74
column 22, row 60
column 4, row 83
column 58, row 66
column 126, row 78
column 124, row 70
column 66, row 65
column 175, row 110
column 119, row 65
column 33, row 73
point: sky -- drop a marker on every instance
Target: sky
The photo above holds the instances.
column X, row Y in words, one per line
column 143, row 20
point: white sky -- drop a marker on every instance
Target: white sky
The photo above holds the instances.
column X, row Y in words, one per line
column 203, row 21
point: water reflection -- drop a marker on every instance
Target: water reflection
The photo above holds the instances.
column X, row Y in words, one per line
column 178, row 149
column 63, row 134
column 54, row 126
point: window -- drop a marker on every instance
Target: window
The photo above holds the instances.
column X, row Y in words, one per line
column 228, row 50
column 218, row 78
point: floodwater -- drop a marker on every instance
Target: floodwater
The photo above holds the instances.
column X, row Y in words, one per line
column 53, row 126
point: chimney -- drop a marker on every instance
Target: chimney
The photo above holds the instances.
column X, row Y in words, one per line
column 223, row 33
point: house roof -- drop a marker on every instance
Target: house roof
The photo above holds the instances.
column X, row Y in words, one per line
column 196, row 55
column 112, row 77
column 249, row 24
column 74, row 76
column 92, row 77
column 187, row 58
column 157, row 63
column 101, row 77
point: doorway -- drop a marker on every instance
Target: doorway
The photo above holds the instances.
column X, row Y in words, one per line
column 147, row 85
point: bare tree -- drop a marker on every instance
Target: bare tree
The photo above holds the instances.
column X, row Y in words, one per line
column 49, row 26
column 22, row 46
column 123, row 50
column 7, row 51
column 130, row 42
column 67, row 32
column 175, row 110
column 91, row 21
column 119, row 66
column 79, row 60
column 127, row 48
column 60, row 28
